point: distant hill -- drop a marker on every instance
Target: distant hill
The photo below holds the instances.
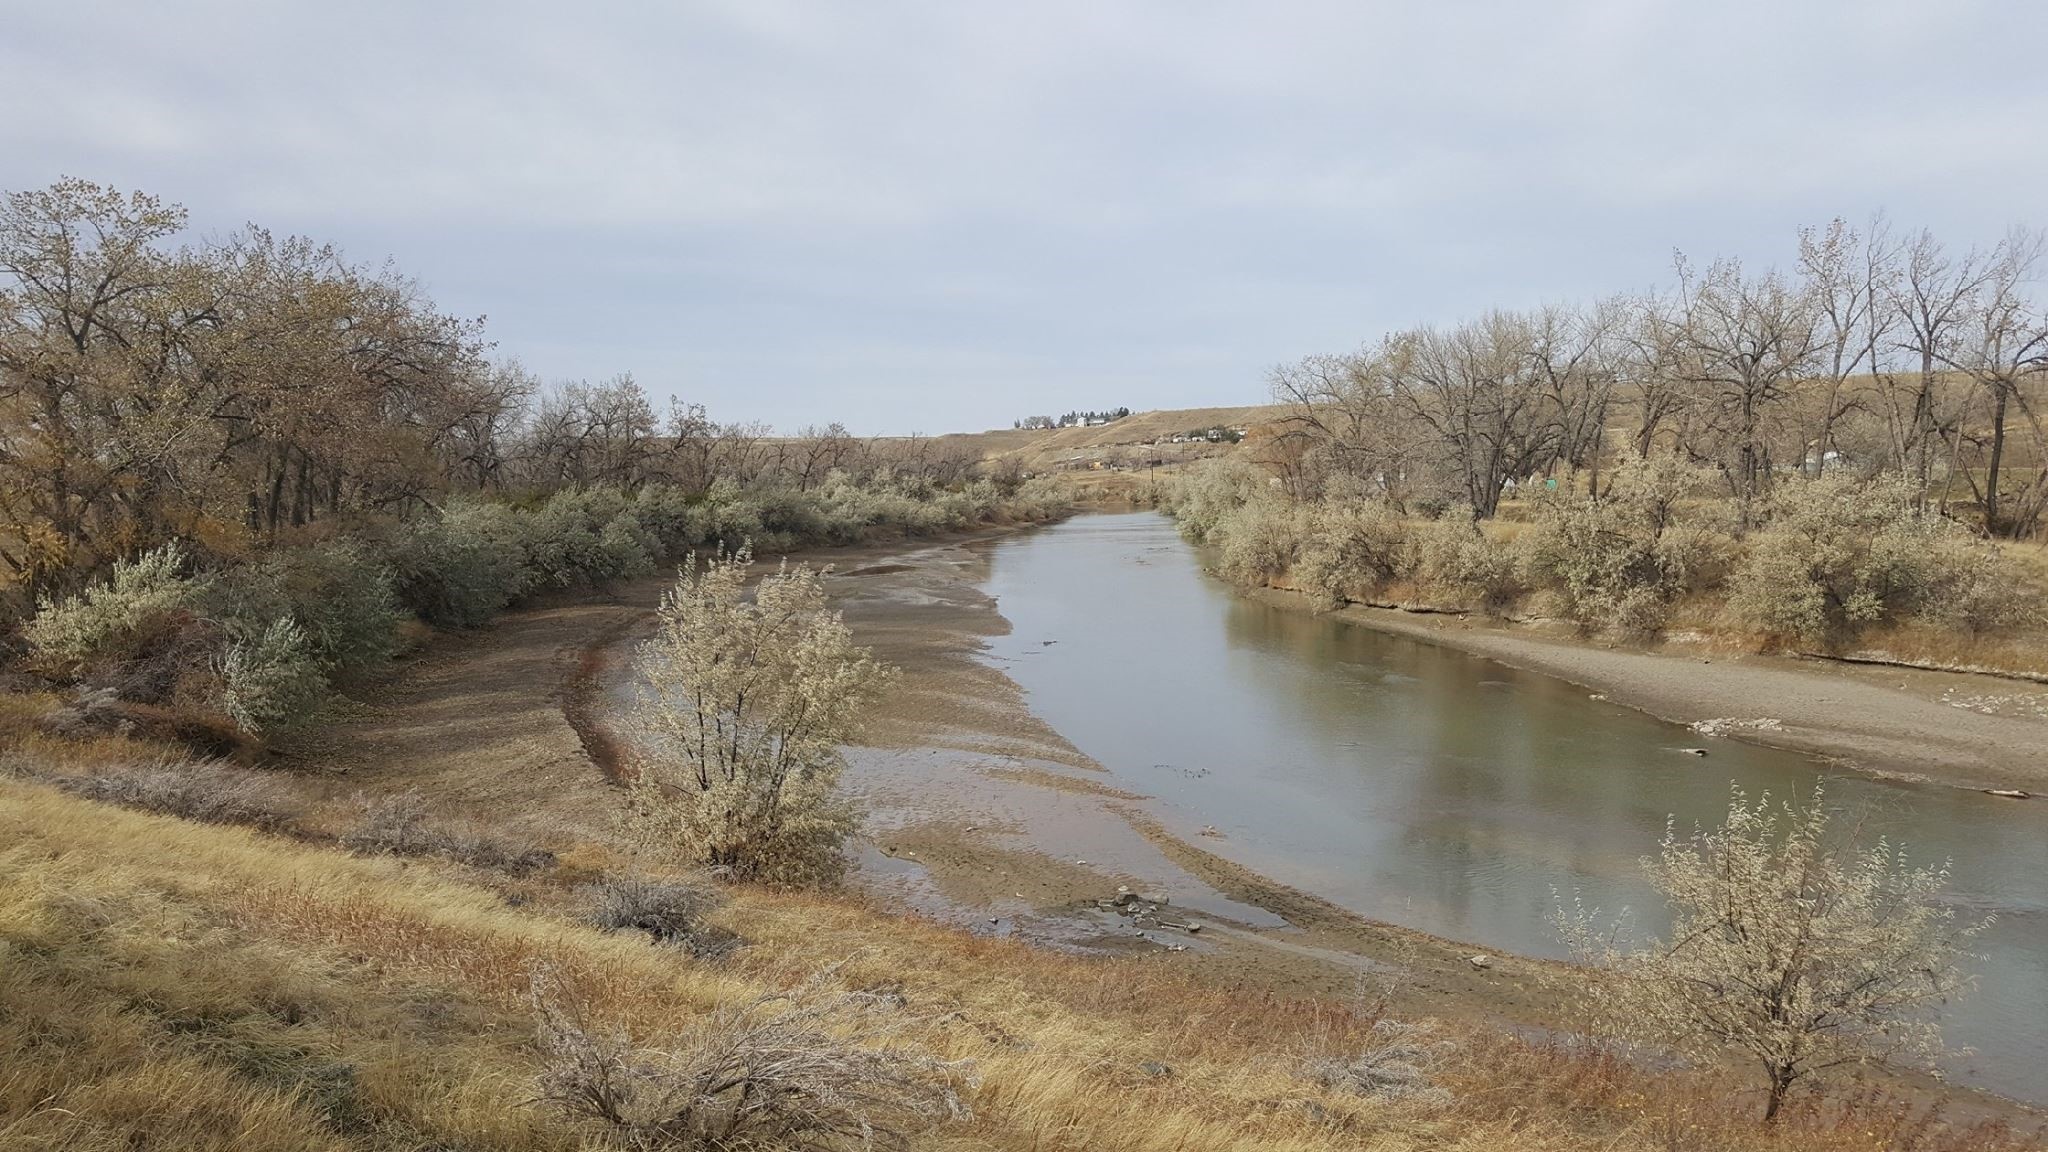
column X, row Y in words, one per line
column 1132, row 441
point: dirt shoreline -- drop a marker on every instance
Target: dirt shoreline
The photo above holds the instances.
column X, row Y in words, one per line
column 1886, row 721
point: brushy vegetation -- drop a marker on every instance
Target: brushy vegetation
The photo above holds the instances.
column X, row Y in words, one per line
column 209, row 792
column 748, row 700
column 1806, row 955
column 226, row 541
column 1819, row 457
column 807, row 1068
column 1397, row 1062
column 232, row 468
column 264, row 643
column 668, row 913
column 1877, row 353
column 1836, row 558
column 1826, row 562
column 402, row 825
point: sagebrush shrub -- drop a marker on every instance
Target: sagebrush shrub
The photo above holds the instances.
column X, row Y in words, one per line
column 1619, row 563
column 778, row 678
column 1398, row 1062
column 1455, row 558
column 1349, row 549
column 459, row 568
column 668, row 913
column 669, row 516
column 786, row 514
column 809, row 1069
column 1840, row 555
column 206, row 791
column 1979, row 588
column 1788, row 945
column 110, row 621
column 586, row 536
column 340, row 595
column 1211, row 490
column 401, row 824
column 145, row 633
column 1041, row 497
column 271, row 680
column 1257, row 540
column 726, row 518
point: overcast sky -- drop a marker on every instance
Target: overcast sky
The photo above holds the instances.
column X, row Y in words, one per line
column 943, row 216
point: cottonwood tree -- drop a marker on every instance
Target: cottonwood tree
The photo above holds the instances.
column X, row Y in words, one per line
column 1576, row 355
column 1804, row 954
column 1935, row 297
column 484, row 439
column 1477, row 391
column 815, row 452
column 2002, row 348
column 95, row 321
column 1648, row 348
column 1460, row 410
column 1340, row 431
column 734, row 452
column 217, row 390
column 1744, row 342
column 1847, row 278
column 746, row 705
column 593, row 434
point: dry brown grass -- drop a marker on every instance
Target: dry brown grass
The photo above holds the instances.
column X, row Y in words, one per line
column 173, row 985
column 2033, row 555
column 26, row 742
column 2024, row 655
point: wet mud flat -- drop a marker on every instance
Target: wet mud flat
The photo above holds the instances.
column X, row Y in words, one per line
column 982, row 814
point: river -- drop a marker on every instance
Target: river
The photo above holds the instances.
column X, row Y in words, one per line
column 1440, row 791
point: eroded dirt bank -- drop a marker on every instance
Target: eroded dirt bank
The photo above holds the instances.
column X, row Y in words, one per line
column 1957, row 728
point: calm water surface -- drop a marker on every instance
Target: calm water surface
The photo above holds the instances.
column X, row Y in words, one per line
column 1426, row 787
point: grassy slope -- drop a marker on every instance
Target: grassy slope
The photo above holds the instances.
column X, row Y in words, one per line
column 170, row 985
column 174, row 985
column 1041, row 449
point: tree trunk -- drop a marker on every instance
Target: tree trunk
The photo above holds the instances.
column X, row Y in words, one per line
column 1781, row 1083
column 274, row 507
column 2000, row 395
column 1923, row 425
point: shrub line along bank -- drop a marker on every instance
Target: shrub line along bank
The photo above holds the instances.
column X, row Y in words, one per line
column 1834, row 562
column 263, row 642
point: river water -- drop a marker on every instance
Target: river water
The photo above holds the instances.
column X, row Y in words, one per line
column 1441, row 791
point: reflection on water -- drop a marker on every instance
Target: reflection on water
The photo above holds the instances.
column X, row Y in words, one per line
column 1442, row 791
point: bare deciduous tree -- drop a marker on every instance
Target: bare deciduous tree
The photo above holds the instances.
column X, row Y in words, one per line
column 1744, row 343
column 1478, row 391
column 2002, row 346
column 1934, row 296
column 1846, row 275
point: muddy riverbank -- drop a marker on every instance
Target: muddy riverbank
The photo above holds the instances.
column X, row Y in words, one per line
column 980, row 812
column 1958, row 728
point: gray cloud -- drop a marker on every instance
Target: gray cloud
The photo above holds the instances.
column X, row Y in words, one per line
column 938, row 216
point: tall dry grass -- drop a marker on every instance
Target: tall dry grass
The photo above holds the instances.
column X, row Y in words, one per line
column 166, row 984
